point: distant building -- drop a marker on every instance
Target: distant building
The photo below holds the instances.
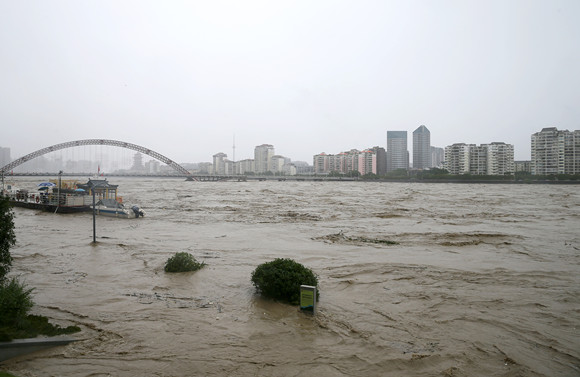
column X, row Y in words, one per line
column 381, row 160
column 263, row 158
column 321, row 163
column 437, row 157
column 524, row 166
column 302, row 167
column 500, row 159
column 152, row 167
column 421, row 148
column 244, row 166
column 486, row 159
column 457, row 158
column 364, row 162
column 555, row 152
column 4, row 156
column 276, row 164
column 219, row 163
column 289, row 169
column 367, row 162
column 137, row 163
column 397, row 153
column 477, row 159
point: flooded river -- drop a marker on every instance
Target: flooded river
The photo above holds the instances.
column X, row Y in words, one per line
column 484, row 280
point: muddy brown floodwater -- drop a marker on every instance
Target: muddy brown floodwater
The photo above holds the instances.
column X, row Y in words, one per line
column 484, row 280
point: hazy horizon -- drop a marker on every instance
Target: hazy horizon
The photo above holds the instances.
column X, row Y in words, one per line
column 182, row 78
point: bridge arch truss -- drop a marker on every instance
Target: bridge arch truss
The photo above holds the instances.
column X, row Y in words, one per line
column 80, row 143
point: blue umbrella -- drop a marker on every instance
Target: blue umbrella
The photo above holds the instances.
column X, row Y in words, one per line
column 46, row 184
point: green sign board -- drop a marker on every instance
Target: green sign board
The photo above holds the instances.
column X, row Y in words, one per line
column 307, row 298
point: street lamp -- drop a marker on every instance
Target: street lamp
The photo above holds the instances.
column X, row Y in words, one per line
column 58, row 196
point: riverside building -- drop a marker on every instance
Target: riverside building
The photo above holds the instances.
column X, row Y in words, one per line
column 437, row 157
column 263, row 158
column 486, row 159
column 421, row 148
column 365, row 162
column 555, row 152
column 397, row 153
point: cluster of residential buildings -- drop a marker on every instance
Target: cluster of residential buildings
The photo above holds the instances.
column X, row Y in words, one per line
column 265, row 161
column 377, row 160
column 553, row 152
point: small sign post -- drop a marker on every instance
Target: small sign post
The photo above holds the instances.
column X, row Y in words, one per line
column 308, row 298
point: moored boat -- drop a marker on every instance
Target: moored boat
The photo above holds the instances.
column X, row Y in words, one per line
column 108, row 203
column 71, row 196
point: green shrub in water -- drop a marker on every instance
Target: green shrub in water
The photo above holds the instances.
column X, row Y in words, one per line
column 281, row 279
column 182, row 262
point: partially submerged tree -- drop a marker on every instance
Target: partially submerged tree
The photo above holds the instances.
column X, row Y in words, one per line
column 281, row 279
column 182, row 262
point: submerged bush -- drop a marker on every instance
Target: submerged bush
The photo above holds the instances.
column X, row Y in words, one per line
column 281, row 279
column 182, row 262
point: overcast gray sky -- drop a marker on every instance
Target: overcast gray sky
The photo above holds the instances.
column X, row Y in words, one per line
column 182, row 77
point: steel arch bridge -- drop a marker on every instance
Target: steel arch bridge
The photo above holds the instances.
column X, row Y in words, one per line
column 79, row 143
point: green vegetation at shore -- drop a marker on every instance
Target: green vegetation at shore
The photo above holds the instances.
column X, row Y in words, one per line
column 442, row 175
column 15, row 297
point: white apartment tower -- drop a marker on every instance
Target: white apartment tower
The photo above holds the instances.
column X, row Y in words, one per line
column 485, row 159
column 4, row 156
column 219, row 163
column 500, row 159
column 422, row 148
column 555, row 152
column 478, row 159
column 457, row 158
column 263, row 158
column 437, row 157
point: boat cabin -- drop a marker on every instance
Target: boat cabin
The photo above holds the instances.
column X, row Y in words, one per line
column 102, row 188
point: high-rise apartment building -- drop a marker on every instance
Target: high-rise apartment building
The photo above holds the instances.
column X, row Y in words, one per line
column 277, row 163
column 219, row 163
column 500, row 159
column 263, row 158
column 397, row 153
column 365, row 162
column 555, row 152
column 244, row 166
column 437, row 157
column 381, row 160
column 457, row 158
column 478, row 159
column 4, row 156
column 321, row 163
column 422, row 148
column 485, row 159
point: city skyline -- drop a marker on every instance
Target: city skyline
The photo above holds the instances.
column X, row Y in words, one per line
column 183, row 78
column 553, row 152
column 6, row 150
